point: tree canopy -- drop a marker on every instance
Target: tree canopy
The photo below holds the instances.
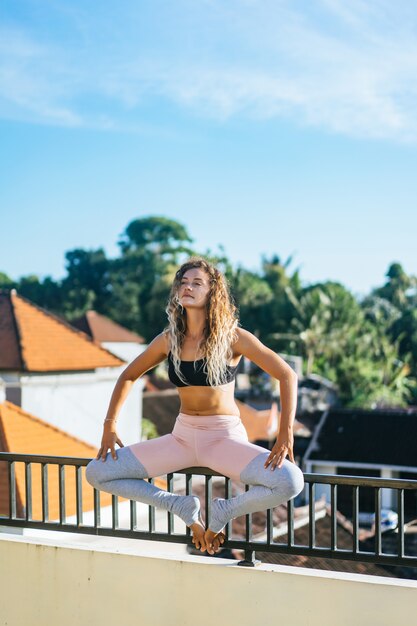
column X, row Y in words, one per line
column 368, row 347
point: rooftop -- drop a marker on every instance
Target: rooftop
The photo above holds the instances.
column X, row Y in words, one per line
column 22, row 432
column 35, row 340
column 103, row 329
column 382, row 436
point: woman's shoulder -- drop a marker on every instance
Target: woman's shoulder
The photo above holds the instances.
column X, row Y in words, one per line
column 242, row 338
column 162, row 342
column 242, row 333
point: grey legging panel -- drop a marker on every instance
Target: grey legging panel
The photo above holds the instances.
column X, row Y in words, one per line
column 269, row 489
column 124, row 477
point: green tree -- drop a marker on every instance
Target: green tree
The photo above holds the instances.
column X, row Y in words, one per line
column 322, row 316
column 373, row 375
column 397, row 286
column 251, row 292
column 87, row 283
column 151, row 248
column 264, row 304
column 398, row 322
column 165, row 238
column 275, row 316
column 6, row 282
column 46, row 293
column 123, row 306
column 371, row 372
column 405, row 329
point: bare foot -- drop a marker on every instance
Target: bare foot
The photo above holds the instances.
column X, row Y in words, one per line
column 214, row 540
column 198, row 539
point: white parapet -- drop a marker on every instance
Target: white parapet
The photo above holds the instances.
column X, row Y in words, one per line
column 46, row 582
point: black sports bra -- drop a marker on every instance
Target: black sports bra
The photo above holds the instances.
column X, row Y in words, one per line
column 194, row 374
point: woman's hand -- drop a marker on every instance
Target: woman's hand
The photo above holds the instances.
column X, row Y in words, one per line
column 283, row 446
column 108, row 440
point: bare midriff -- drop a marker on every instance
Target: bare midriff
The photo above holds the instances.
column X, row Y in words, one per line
column 197, row 400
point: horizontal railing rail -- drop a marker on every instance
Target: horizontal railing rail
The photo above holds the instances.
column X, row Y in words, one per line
column 249, row 544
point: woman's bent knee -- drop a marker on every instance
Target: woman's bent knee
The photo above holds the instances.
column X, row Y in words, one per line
column 296, row 480
column 126, row 465
column 92, row 472
column 288, row 479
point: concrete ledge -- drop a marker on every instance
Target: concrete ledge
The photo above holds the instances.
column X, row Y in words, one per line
column 50, row 581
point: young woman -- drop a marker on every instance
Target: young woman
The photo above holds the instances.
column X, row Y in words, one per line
column 203, row 344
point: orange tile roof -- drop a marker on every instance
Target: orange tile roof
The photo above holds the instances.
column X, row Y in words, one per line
column 35, row 340
column 259, row 424
column 26, row 434
column 263, row 424
column 102, row 328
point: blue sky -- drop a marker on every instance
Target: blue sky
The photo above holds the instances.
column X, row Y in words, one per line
column 269, row 127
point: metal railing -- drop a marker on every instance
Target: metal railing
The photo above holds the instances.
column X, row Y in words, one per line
column 249, row 545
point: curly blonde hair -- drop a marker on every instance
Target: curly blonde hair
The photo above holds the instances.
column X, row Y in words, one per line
column 221, row 322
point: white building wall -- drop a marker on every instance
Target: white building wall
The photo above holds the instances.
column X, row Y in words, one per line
column 10, row 382
column 124, row 349
column 77, row 403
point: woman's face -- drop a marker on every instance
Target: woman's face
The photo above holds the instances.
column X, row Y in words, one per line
column 194, row 288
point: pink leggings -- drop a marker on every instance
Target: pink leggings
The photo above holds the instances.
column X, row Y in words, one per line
column 219, row 442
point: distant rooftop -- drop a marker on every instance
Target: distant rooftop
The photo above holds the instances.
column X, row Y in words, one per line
column 379, row 436
column 34, row 340
column 101, row 328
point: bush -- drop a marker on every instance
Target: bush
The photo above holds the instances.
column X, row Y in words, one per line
column 149, row 430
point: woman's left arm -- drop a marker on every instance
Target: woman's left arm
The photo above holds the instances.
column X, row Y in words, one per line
column 248, row 345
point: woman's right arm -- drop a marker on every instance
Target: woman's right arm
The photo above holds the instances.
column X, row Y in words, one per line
column 156, row 352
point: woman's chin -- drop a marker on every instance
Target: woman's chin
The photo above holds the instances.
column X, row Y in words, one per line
column 190, row 304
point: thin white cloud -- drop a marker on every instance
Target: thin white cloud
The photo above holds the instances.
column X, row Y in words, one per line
column 344, row 67
column 31, row 81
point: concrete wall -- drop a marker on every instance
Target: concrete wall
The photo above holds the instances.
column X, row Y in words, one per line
column 45, row 583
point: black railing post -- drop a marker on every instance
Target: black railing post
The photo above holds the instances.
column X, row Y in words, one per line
column 249, row 560
column 79, row 495
column 151, row 512
column 290, row 522
column 12, row 489
column 400, row 527
column 333, row 517
column 355, row 518
column 188, row 489
column 228, row 494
